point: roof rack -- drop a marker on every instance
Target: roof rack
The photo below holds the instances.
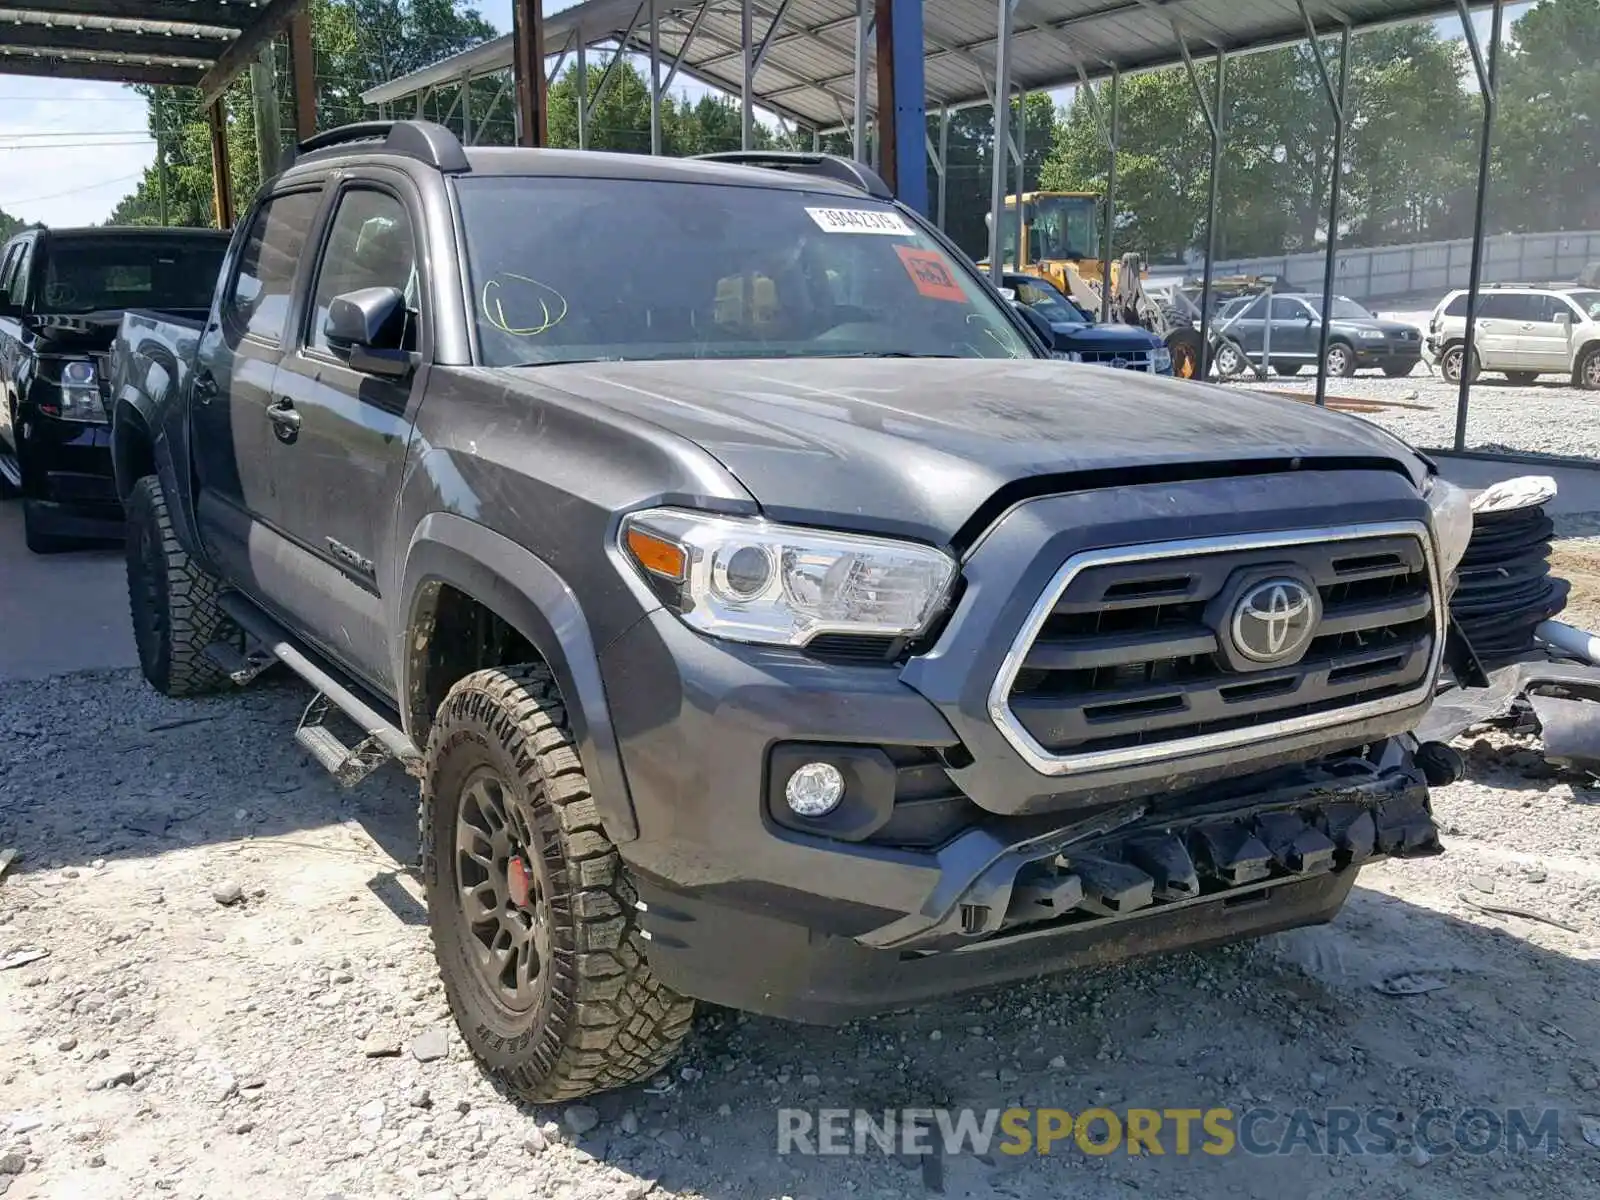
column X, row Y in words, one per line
column 828, row 166
column 422, row 140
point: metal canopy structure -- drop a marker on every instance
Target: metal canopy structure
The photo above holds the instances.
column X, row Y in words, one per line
column 184, row 43
column 176, row 43
column 810, row 61
column 806, row 50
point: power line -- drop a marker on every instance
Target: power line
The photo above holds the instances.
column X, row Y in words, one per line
column 89, row 187
column 75, row 145
column 45, row 133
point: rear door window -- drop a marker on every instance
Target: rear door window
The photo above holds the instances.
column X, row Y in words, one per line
column 258, row 299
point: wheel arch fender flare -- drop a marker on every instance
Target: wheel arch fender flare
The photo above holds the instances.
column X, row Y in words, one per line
column 529, row 595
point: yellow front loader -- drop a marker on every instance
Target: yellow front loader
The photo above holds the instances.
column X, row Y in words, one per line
column 1058, row 239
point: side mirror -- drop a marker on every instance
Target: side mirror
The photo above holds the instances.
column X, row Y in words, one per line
column 369, row 325
column 1307, row 318
column 1563, row 318
column 1010, row 294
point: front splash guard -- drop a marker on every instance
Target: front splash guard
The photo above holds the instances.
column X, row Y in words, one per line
column 1135, row 859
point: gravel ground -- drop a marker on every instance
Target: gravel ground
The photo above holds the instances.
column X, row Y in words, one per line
column 1547, row 417
column 239, row 1000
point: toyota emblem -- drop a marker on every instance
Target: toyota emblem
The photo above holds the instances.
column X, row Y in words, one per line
column 1275, row 620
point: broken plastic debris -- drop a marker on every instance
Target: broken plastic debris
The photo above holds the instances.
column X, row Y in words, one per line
column 1408, row 983
column 1522, row 492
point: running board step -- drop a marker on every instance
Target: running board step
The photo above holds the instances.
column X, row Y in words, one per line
column 241, row 667
column 384, row 739
column 348, row 766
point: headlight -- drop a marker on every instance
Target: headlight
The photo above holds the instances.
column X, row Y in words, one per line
column 1450, row 509
column 1067, row 355
column 749, row 580
column 1376, row 334
column 80, row 395
column 1161, row 361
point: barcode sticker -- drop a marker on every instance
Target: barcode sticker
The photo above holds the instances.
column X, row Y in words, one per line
column 860, row 220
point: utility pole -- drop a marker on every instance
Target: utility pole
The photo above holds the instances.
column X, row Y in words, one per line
column 264, row 97
column 161, row 157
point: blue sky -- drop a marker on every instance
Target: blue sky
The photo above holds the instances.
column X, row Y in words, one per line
column 70, row 150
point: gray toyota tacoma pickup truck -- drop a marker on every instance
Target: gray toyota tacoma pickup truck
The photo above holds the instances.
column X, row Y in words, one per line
column 768, row 620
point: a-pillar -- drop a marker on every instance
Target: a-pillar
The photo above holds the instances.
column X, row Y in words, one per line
column 902, row 108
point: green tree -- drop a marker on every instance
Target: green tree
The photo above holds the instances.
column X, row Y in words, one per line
column 356, row 44
column 1547, row 147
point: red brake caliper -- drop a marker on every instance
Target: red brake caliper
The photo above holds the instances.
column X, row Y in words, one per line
column 517, row 877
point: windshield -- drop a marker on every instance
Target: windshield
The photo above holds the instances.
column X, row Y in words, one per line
column 1587, row 302
column 578, row 269
column 1344, row 308
column 1046, row 300
column 1065, row 227
column 89, row 274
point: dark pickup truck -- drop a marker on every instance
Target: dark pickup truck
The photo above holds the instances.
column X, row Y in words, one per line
column 768, row 620
column 62, row 296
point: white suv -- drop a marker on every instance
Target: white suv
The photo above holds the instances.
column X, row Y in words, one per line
column 1522, row 331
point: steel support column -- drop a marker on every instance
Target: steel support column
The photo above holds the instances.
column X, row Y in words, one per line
column 1021, row 144
column 1488, row 78
column 1002, row 139
column 303, row 75
column 944, row 158
column 527, row 29
column 858, row 118
column 221, row 181
column 466, row 109
column 746, row 83
column 1336, row 100
column 1113, row 145
column 1212, row 112
column 582, row 88
column 655, row 79
column 902, row 109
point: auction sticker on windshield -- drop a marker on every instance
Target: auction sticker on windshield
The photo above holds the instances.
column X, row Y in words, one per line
column 931, row 274
column 859, row 220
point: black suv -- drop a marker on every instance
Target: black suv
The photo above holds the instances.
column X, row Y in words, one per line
column 768, row 619
column 1291, row 336
column 62, row 296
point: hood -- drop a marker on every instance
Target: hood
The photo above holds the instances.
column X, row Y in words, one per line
column 915, row 446
column 1392, row 329
column 1118, row 337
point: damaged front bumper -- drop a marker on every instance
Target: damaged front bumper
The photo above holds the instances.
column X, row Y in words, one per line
column 1012, row 899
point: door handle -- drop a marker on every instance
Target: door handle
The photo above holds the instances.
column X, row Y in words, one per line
column 285, row 421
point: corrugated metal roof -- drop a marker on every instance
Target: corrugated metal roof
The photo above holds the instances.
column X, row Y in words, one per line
column 175, row 42
column 808, row 72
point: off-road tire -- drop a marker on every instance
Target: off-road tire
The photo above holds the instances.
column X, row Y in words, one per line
column 604, row 1021
column 1450, row 364
column 1587, row 373
column 1287, row 369
column 1522, row 378
column 1399, row 372
column 172, row 602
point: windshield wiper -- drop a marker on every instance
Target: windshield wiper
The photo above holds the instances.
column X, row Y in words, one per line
column 891, row 354
column 561, row 362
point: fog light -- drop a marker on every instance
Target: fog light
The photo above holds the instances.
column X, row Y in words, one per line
column 815, row 789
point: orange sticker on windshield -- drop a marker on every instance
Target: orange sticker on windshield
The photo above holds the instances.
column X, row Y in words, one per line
column 930, row 274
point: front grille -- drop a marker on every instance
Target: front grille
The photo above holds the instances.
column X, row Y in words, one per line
column 1127, row 654
column 1130, row 360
